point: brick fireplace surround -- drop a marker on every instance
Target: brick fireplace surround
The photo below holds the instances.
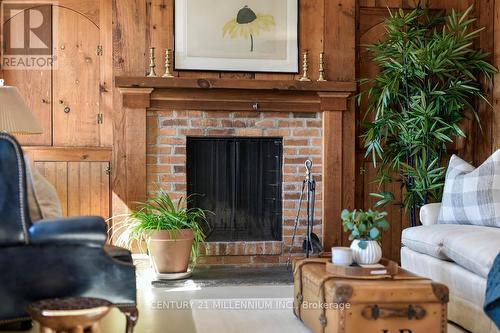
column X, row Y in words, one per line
column 309, row 122
column 302, row 139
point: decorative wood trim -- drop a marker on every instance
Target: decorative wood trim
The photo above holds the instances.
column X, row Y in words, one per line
column 135, row 155
column 65, row 154
column 334, row 101
column 235, row 100
column 136, row 98
column 332, row 177
column 214, row 83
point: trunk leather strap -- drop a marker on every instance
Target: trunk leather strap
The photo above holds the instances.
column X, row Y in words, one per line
column 298, row 270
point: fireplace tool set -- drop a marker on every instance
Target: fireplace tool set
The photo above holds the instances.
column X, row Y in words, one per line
column 311, row 244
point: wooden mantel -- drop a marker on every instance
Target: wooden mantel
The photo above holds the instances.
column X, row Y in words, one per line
column 244, row 84
column 142, row 93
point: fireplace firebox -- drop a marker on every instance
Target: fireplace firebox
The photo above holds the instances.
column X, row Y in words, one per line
column 238, row 179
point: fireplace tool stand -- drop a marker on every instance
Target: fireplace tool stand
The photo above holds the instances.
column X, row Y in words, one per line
column 311, row 242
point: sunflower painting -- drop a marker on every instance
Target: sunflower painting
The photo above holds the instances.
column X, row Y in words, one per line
column 237, row 35
column 248, row 24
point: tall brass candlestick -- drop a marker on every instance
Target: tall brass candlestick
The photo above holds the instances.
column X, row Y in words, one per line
column 322, row 67
column 305, row 68
column 168, row 64
column 152, row 65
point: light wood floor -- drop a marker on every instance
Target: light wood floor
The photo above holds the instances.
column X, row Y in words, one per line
column 166, row 310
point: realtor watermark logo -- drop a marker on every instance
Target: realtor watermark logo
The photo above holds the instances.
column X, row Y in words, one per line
column 247, row 304
column 27, row 34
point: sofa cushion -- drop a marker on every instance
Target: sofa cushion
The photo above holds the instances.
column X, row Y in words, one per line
column 472, row 195
column 429, row 239
column 43, row 202
column 475, row 248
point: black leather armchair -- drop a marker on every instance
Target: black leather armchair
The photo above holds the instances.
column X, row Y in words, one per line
column 54, row 258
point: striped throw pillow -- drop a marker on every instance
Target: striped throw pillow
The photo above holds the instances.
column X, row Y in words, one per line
column 472, row 195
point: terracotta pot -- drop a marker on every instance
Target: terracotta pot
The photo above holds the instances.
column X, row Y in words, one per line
column 170, row 254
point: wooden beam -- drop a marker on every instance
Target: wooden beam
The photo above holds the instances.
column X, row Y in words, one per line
column 135, row 155
column 235, row 100
column 340, row 39
column 248, row 84
column 132, row 154
column 62, row 154
column 333, row 105
column 332, row 178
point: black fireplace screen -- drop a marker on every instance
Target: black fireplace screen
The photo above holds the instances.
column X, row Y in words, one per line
column 240, row 181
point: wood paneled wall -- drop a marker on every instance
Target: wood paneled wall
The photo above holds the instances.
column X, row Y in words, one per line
column 73, row 101
column 325, row 25
column 337, row 27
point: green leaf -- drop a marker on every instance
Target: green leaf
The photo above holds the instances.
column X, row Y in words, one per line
column 345, row 214
column 374, row 233
column 362, row 244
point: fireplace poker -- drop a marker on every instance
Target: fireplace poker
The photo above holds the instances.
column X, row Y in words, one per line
column 310, row 183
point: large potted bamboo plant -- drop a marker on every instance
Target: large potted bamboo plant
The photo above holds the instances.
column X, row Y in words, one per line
column 171, row 231
column 429, row 81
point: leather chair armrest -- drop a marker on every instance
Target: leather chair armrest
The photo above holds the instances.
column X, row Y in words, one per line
column 88, row 230
column 429, row 213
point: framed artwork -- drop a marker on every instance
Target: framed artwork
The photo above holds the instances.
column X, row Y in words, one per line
column 237, row 35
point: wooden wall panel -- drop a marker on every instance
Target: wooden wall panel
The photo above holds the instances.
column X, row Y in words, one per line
column 106, row 85
column 57, row 174
column 496, row 82
column 340, row 46
column 79, row 175
column 35, row 87
column 76, row 80
column 483, row 137
column 35, row 83
column 129, row 58
column 83, row 188
column 160, row 29
column 92, row 180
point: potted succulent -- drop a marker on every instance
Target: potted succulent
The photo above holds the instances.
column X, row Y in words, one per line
column 366, row 230
column 171, row 231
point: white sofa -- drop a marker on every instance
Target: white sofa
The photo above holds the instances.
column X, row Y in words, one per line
column 459, row 256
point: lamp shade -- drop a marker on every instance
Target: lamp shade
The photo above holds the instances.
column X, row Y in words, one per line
column 15, row 115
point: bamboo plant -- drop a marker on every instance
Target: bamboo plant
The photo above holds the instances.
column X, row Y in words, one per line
column 429, row 79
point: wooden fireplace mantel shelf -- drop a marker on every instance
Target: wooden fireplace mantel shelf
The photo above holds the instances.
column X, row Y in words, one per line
column 234, row 95
column 243, row 84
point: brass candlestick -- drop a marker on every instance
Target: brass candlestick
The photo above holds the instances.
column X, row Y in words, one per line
column 152, row 65
column 322, row 77
column 168, row 65
column 305, row 68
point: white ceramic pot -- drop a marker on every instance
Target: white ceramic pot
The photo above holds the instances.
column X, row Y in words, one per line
column 369, row 256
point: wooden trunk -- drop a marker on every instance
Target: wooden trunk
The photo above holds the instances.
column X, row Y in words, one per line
column 404, row 304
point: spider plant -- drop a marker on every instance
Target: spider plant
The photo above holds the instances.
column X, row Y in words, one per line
column 429, row 81
column 161, row 213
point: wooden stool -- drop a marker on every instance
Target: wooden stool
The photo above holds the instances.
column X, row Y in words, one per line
column 72, row 315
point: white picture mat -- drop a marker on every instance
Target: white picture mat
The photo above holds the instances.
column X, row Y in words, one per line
column 200, row 55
